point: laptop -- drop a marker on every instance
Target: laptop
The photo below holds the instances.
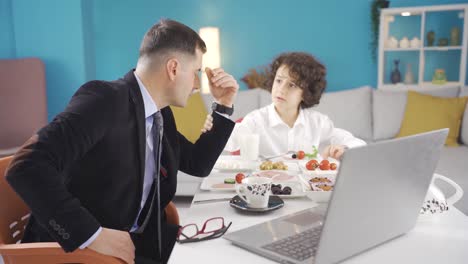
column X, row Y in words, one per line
column 377, row 196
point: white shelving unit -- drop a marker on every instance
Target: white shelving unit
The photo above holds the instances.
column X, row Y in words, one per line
column 388, row 16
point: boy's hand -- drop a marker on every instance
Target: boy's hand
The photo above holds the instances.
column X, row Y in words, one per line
column 208, row 124
column 334, row 151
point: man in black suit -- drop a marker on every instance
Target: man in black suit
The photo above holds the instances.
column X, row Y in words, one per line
column 101, row 173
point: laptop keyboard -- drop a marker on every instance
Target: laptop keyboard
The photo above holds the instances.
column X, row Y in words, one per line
column 299, row 246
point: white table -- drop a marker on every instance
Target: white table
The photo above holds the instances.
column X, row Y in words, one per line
column 441, row 239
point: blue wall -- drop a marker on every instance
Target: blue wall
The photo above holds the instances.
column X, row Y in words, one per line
column 80, row 40
column 7, row 41
column 87, row 12
column 252, row 33
column 52, row 30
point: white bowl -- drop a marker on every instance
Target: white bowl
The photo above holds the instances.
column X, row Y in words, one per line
column 319, row 196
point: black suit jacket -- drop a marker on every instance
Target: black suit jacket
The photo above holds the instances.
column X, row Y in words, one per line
column 85, row 169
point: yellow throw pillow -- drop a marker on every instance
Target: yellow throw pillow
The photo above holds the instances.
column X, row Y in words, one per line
column 190, row 120
column 425, row 113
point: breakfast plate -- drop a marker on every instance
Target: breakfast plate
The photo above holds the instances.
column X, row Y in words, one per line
column 296, row 189
column 217, row 184
column 233, row 165
column 282, row 179
column 277, row 175
column 278, row 165
column 319, row 170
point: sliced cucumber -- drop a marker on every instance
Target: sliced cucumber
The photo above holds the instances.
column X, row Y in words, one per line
column 229, row 181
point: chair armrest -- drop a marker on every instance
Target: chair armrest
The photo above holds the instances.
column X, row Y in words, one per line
column 8, row 151
column 40, row 253
column 172, row 215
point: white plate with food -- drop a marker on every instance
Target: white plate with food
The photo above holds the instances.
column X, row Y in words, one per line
column 277, row 175
column 226, row 183
column 219, row 184
column 287, row 185
column 278, row 165
column 320, row 167
column 285, row 190
column 233, row 165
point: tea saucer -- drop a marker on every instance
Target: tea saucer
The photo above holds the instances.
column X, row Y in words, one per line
column 274, row 203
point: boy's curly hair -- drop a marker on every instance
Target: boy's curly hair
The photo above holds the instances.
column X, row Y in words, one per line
column 308, row 73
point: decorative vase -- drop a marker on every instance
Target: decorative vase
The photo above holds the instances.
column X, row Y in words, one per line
column 430, row 38
column 415, row 43
column 392, row 43
column 409, row 76
column 455, row 36
column 404, row 43
column 439, row 77
column 396, row 76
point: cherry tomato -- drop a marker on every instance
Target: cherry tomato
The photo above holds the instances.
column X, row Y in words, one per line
column 300, row 154
column 332, row 166
column 239, row 177
column 324, row 166
column 312, row 164
column 325, row 162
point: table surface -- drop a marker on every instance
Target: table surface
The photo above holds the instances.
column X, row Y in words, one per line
column 442, row 238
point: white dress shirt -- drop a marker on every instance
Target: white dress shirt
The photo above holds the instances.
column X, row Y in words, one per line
column 276, row 137
column 150, row 109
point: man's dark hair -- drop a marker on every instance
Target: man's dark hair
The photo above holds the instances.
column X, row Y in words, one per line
column 169, row 35
column 307, row 72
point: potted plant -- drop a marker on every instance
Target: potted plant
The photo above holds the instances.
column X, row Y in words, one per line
column 376, row 6
column 257, row 78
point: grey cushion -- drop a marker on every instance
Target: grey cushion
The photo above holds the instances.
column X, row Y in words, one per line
column 453, row 164
column 464, row 91
column 464, row 127
column 389, row 108
column 265, row 97
column 349, row 110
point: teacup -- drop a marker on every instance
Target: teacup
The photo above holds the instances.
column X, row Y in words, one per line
column 436, row 201
column 255, row 191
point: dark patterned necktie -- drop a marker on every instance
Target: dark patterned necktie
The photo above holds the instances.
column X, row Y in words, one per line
column 157, row 133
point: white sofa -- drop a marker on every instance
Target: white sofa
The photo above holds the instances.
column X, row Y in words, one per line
column 372, row 115
column 376, row 115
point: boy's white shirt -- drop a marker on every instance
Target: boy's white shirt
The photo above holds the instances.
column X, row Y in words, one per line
column 276, row 137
